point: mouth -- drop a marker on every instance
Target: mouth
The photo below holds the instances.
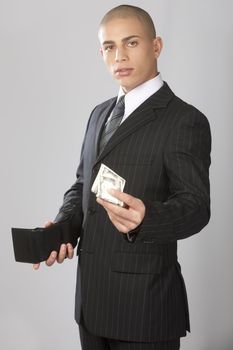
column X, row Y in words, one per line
column 123, row 72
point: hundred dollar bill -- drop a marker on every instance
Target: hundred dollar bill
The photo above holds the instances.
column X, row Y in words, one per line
column 107, row 179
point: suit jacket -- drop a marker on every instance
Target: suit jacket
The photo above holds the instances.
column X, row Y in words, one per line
column 135, row 291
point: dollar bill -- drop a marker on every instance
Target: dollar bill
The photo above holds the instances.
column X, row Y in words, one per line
column 107, row 179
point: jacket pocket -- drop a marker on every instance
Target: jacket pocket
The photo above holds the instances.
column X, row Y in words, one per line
column 136, row 263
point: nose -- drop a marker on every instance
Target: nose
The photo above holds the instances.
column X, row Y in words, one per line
column 120, row 55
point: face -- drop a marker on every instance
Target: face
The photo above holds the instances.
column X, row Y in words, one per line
column 129, row 52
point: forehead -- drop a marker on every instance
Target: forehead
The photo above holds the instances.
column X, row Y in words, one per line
column 119, row 28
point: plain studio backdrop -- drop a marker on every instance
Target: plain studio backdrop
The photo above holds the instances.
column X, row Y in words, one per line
column 51, row 77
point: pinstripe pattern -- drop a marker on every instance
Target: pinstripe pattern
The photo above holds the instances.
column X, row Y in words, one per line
column 92, row 342
column 135, row 291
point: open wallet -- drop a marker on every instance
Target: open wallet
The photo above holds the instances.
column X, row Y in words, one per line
column 35, row 245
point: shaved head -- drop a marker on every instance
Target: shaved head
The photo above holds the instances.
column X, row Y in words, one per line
column 126, row 11
column 129, row 45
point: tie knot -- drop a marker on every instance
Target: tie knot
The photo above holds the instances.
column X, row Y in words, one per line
column 119, row 108
column 121, row 101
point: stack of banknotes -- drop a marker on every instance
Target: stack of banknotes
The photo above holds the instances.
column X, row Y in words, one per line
column 107, row 179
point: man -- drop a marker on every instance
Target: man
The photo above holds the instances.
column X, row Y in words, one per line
column 130, row 292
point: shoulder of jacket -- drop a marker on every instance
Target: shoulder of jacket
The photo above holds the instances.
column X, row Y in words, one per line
column 186, row 109
column 105, row 104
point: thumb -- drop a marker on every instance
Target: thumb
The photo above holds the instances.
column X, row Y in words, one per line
column 48, row 223
column 36, row 266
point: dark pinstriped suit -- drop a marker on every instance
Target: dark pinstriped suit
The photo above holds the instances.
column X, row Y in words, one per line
column 135, row 291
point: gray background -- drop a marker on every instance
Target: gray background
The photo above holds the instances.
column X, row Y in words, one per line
column 51, row 77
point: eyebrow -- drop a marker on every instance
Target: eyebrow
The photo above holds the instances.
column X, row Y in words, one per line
column 123, row 40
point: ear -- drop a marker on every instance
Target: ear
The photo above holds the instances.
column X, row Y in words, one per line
column 158, row 45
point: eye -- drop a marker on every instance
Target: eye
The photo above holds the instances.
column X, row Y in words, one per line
column 132, row 43
column 108, row 48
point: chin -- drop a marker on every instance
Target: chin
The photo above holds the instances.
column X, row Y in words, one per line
column 127, row 86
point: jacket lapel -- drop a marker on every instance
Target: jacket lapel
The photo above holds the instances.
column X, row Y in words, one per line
column 135, row 121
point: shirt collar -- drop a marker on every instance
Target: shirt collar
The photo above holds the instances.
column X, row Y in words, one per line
column 138, row 95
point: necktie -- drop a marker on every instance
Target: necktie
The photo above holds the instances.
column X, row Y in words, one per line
column 113, row 123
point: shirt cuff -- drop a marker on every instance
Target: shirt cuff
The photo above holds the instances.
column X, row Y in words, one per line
column 131, row 235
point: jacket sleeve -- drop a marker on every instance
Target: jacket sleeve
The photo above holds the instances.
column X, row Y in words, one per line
column 186, row 160
column 71, row 208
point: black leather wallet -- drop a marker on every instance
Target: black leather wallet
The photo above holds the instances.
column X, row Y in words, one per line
column 35, row 245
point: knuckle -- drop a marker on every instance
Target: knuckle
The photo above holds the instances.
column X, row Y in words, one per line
column 136, row 218
column 139, row 219
column 124, row 230
column 116, row 210
column 131, row 226
column 111, row 217
column 130, row 201
column 70, row 252
column 61, row 258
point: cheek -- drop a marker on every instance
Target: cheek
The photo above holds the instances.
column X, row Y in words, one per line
column 146, row 63
column 108, row 60
column 141, row 63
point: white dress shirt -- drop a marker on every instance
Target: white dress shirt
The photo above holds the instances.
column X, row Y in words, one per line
column 138, row 95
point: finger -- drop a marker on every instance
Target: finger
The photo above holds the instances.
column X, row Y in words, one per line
column 120, row 227
column 70, row 250
column 126, row 198
column 116, row 220
column 110, row 206
column 52, row 258
column 116, row 210
column 62, row 254
column 36, row 266
column 48, row 223
column 123, row 219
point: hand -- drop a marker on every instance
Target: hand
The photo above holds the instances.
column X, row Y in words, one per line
column 125, row 218
column 66, row 250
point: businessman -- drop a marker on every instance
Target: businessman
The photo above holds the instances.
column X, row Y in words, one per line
column 130, row 292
